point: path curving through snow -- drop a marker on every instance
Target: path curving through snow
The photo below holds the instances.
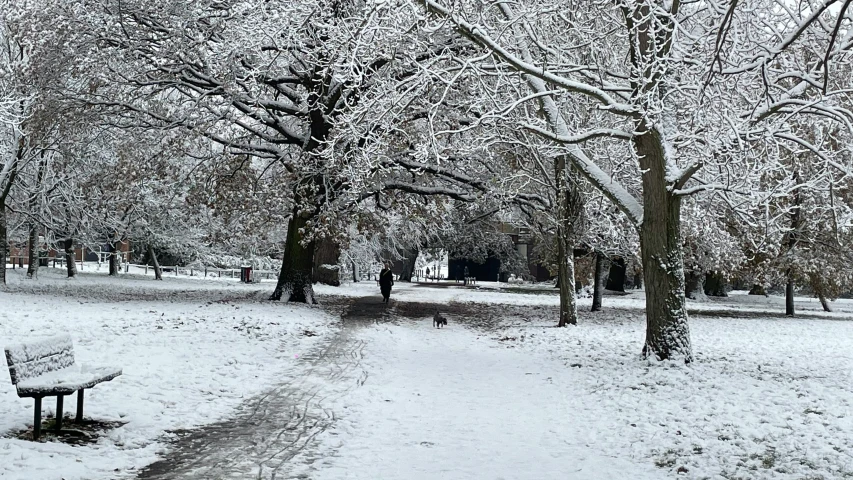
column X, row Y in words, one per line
column 458, row 404
column 269, row 431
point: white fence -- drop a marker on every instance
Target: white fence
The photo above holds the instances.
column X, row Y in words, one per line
column 18, row 261
column 206, row 271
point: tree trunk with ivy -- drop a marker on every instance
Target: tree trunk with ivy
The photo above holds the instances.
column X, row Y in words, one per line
column 695, row 284
column 327, row 254
column 715, row 285
column 616, row 275
column 409, row 259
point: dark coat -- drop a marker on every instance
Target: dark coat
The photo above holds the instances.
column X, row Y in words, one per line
column 386, row 281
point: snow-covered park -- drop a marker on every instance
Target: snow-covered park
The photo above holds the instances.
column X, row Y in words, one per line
column 420, row 239
column 191, row 353
column 498, row 393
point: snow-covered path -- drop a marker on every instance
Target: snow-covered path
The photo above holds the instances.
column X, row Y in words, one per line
column 268, row 431
column 271, row 429
column 454, row 403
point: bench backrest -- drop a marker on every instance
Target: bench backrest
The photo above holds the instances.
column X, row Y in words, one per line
column 33, row 359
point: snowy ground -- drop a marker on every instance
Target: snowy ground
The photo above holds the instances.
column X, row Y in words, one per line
column 191, row 352
column 499, row 394
column 767, row 398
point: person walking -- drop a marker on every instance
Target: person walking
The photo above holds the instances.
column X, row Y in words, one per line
column 427, row 273
column 386, row 281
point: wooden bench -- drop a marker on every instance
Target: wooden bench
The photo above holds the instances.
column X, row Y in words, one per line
column 46, row 369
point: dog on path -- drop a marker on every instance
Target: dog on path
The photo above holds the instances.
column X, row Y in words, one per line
column 438, row 320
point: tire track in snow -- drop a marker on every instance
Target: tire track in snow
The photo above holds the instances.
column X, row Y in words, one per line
column 272, row 429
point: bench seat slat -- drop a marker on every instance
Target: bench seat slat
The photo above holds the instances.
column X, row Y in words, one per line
column 66, row 381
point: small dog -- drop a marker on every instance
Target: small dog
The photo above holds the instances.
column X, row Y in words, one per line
column 438, row 320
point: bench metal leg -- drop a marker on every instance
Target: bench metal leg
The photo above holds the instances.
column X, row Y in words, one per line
column 59, row 401
column 37, row 419
column 79, row 418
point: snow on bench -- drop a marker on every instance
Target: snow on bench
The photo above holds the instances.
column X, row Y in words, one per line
column 46, row 369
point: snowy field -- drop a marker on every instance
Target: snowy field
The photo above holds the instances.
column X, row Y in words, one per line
column 498, row 394
column 191, row 351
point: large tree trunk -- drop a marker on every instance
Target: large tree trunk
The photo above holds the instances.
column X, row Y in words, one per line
column 638, row 278
column 152, row 255
column 695, row 285
column 715, row 285
column 411, row 257
column 789, row 297
column 32, row 253
column 70, row 258
column 667, row 331
column 569, row 207
column 598, row 281
column 294, row 281
column 326, row 256
column 616, row 276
